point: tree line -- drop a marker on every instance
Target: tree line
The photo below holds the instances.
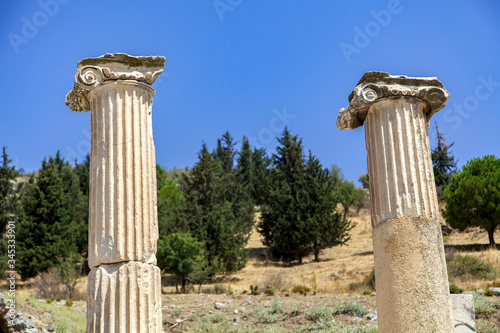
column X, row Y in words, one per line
column 206, row 213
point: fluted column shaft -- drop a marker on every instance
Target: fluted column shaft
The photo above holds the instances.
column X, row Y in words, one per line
column 124, row 288
column 411, row 277
column 123, row 222
column 410, row 268
column 399, row 161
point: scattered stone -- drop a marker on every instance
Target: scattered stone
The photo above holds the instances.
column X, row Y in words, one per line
column 30, row 331
column 172, row 306
column 219, row 306
column 21, row 326
column 373, row 294
column 479, row 291
column 496, row 291
column 249, row 302
column 30, row 324
column 236, row 320
column 30, row 317
column 372, row 316
column 51, row 328
column 236, row 311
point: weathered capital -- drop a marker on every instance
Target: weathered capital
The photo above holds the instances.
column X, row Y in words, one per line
column 109, row 68
column 376, row 86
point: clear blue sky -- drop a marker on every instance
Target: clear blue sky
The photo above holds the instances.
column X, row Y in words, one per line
column 236, row 64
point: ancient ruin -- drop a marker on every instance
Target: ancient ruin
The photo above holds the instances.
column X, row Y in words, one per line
column 124, row 289
column 410, row 268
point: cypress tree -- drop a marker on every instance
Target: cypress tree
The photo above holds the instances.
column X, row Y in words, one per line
column 262, row 179
column 443, row 164
column 53, row 221
column 218, row 211
column 245, row 169
column 284, row 223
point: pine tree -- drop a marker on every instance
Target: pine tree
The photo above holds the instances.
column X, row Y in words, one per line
column 443, row 164
column 262, row 178
column 219, row 212
column 283, row 225
column 225, row 152
column 53, row 222
column 9, row 206
column 327, row 226
column 245, row 169
column 300, row 216
column 171, row 203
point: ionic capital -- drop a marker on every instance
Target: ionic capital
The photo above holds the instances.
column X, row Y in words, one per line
column 109, row 68
column 375, row 86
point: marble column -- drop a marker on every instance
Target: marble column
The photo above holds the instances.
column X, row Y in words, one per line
column 410, row 268
column 124, row 290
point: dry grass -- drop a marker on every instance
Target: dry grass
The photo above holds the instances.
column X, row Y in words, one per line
column 339, row 266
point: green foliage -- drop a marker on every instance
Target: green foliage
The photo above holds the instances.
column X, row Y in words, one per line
column 300, row 216
column 365, row 181
column 8, row 206
column 367, row 292
column 262, row 177
column 245, row 169
column 483, row 305
column 454, row 289
column 485, row 327
column 269, row 290
column 466, row 267
column 269, row 314
column 296, row 310
column 354, row 309
column 301, row 289
column 180, row 254
column 70, row 269
column 320, row 313
column 171, row 204
column 254, row 290
column 443, row 164
column 218, row 210
column 53, row 220
column 489, row 292
column 473, row 196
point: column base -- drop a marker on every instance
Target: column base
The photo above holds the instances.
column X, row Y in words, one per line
column 410, row 275
column 124, row 297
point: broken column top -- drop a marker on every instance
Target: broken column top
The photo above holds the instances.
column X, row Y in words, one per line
column 375, row 86
column 91, row 72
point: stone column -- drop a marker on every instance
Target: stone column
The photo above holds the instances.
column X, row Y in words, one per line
column 410, row 268
column 124, row 289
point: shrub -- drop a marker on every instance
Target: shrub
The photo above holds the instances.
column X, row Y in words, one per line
column 483, row 306
column 454, row 289
column 296, row 310
column 269, row 314
column 269, row 290
column 254, row 290
column 301, row 289
column 465, row 267
column 69, row 302
column 353, row 309
column 48, row 285
column 244, row 292
column 320, row 313
column 488, row 292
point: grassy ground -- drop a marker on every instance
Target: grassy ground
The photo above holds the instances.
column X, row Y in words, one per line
column 336, row 279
